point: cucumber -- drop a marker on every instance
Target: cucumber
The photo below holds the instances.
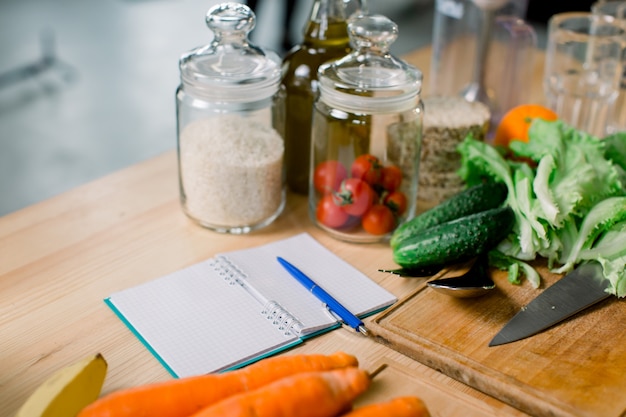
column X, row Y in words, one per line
column 457, row 240
column 475, row 199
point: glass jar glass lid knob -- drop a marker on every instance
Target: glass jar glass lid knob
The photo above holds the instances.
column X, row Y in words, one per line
column 375, row 33
column 232, row 21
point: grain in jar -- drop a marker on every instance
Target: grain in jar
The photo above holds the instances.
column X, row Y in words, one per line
column 447, row 121
column 231, row 170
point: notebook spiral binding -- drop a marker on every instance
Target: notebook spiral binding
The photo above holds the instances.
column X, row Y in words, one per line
column 272, row 310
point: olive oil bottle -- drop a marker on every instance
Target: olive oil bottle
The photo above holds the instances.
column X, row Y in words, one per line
column 325, row 38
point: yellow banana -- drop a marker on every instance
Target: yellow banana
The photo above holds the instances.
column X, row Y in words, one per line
column 68, row 390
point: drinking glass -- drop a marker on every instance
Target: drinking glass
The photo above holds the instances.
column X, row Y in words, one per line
column 617, row 9
column 583, row 68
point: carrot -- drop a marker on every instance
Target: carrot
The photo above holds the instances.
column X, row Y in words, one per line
column 182, row 397
column 398, row 407
column 311, row 394
column 515, row 123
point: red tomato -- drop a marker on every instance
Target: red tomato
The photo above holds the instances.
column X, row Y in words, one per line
column 330, row 214
column 391, row 178
column 397, row 202
column 355, row 196
column 367, row 168
column 328, row 176
column 378, row 220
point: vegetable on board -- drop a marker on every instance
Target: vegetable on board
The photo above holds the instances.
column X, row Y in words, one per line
column 455, row 241
column 183, row 397
column 311, row 394
column 483, row 196
column 559, row 205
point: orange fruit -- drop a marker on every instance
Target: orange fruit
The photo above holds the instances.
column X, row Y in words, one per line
column 515, row 123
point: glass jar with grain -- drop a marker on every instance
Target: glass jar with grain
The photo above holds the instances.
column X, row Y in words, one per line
column 230, row 145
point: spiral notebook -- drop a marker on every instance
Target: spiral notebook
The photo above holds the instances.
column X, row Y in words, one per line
column 241, row 306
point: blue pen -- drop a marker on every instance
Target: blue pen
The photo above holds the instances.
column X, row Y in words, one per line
column 332, row 304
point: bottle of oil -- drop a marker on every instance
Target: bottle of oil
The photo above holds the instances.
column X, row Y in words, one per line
column 325, row 38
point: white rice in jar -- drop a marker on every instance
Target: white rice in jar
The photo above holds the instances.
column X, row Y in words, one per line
column 230, row 170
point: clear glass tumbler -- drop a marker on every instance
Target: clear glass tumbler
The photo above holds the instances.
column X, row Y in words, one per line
column 617, row 9
column 583, row 68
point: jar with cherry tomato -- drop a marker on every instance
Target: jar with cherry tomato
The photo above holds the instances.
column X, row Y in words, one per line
column 366, row 137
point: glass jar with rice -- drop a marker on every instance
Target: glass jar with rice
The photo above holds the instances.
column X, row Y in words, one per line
column 230, row 148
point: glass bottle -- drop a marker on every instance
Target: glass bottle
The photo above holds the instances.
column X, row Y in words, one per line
column 325, row 38
column 366, row 137
column 230, row 149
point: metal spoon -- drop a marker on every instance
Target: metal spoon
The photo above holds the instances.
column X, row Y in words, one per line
column 424, row 272
column 474, row 283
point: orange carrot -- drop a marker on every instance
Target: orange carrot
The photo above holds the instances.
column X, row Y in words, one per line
column 183, row 397
column 311, row 394
column 398, row 407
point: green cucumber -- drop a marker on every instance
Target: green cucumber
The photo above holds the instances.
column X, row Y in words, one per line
column 457, row 240
column 475, row 199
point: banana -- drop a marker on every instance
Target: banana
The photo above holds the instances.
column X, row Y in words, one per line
column 68, row 390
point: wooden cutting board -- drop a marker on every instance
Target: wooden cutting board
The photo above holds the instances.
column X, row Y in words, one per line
column 576, row 368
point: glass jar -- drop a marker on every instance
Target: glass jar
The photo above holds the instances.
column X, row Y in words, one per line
column 230, row 144
column 366, row 137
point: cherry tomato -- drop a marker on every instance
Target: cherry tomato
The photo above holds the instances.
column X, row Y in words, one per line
column 391, row 178
column 328, row 176
column 330, row 214
column 397, row 202
column 367, row 168
column 378, row 220
column 355, row 196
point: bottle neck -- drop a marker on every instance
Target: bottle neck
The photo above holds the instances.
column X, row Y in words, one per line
column 327, row 24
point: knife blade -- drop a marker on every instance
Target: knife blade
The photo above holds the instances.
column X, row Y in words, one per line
column 576, row 291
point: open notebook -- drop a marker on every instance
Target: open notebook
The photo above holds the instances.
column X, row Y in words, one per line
column 240, row 306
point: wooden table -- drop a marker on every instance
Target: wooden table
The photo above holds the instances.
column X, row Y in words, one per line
column 61, row 257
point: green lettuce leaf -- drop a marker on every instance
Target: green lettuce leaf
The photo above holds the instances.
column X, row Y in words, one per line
column 601, row 218
column 615, row 149
column 515, row 267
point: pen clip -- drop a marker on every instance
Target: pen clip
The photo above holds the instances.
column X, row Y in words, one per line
column 361, row 329
column 332, row 315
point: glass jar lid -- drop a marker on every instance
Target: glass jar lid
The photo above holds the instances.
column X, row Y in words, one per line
column 230, row 68
column 370, row 79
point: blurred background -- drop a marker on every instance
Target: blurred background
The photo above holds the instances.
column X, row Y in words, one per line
column 87, row 87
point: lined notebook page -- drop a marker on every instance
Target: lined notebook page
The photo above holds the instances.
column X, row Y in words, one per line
column 357, row 292
column 196, row 322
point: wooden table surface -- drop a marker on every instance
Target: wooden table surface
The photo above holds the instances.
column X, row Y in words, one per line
column 61, row 257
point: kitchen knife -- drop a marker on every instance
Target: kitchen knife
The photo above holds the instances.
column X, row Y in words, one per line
column 574, row 292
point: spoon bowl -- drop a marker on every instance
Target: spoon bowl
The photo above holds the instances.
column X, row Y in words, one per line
column 473, row 283
column 450, row 286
